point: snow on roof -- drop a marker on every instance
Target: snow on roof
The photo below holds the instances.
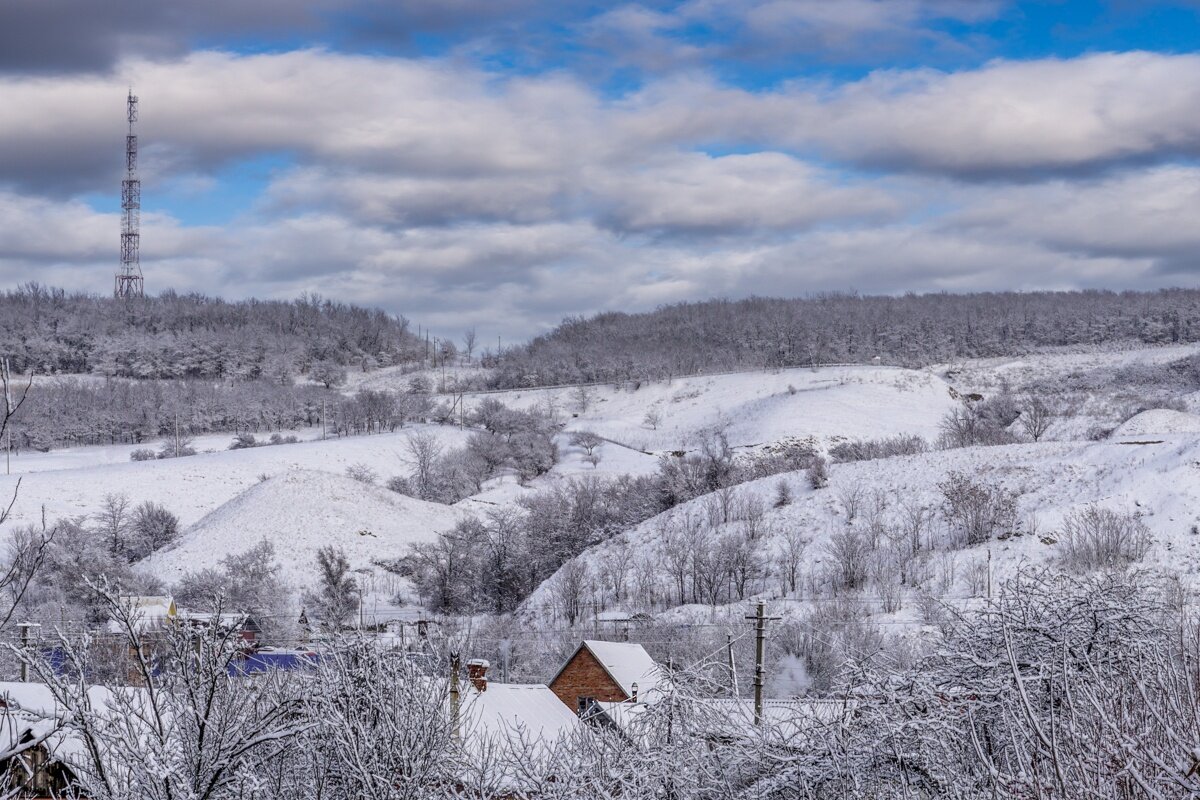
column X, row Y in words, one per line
column 509, row 712
column 31, row 708
column 627, row 663
column 146, row 611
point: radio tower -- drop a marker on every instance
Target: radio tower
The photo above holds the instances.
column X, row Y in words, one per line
column 129, row 279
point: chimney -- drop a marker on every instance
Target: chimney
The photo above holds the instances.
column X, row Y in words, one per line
column 477, row 673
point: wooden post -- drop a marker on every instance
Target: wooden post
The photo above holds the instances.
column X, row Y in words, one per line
column 732, row 666
column 454, row 699
column 760, row 619
column 25, row 626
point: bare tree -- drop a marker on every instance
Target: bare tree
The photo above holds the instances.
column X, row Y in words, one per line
column 469, row 339
column 569, row 588
column 586, row 440
column 339, row 591
column 425, row 451
column 791, row 558
column 1036, row 419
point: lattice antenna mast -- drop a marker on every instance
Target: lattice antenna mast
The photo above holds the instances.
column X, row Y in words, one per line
column 129, row 279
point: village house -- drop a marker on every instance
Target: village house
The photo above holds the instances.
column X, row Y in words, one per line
column 36, row 750
column 607, row 672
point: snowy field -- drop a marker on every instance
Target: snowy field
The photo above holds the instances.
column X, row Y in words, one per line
column 754, row 408
column 72, row 483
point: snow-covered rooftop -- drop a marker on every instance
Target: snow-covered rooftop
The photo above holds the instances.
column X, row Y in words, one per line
column 505, row 712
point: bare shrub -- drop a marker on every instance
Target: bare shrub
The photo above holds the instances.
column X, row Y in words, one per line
column 976, row 511
column 871, row 449
column 1100, row 538
column 1036, row 418
column 818, row 473
column 783, row 493
column 850, row 499
column 362, row 473
column 849, row 555
column 977, row 577
column 968, row 426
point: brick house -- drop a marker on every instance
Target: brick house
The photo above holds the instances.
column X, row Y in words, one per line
column 606, row 672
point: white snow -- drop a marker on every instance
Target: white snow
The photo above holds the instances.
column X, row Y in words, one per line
column 75, row 485
column 753, row 408
column 299, row 512
column 1158, row 421
column 1159, row 480
column 506, row 712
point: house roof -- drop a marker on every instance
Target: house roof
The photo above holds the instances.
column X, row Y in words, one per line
column 31, row 709
column 505, row 711
column 147, row 611
column 626, row 663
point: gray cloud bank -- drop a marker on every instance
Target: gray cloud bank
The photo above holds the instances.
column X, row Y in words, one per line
column 442, row 191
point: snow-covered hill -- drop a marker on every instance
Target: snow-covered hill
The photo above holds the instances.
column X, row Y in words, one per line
column 299, row 512
column 1159, row 480
column 753, row 408
column 74, row 483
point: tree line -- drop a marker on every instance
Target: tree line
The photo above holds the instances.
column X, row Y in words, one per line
column 910, row 330
column 51, row 331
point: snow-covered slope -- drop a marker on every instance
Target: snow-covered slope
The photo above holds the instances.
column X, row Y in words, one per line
column 1158, row 421
column 753, row 408
column 299, row 512
column 1159, row 480
column 195, row 485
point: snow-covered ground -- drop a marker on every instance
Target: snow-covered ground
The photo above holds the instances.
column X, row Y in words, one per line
column 74, row 482
column 299, row 512
column 226, row 505
column 753, row 408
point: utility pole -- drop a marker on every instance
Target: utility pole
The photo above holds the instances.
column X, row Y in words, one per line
column 322, row 419
column 732, row 666
column 177, row 434
column 25, row 626
column 989, row 575
column 454, row 698
column 760, row 619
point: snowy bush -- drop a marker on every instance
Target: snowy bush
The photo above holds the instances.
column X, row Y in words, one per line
column 1100, row 538
column 243, row 441
column 976, row 511
column 362, row 473
column 143, row 454
column 818, row 474
column 154, row 527
column 887, row 447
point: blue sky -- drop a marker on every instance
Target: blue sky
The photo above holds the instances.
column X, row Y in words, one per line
column 507, row 163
